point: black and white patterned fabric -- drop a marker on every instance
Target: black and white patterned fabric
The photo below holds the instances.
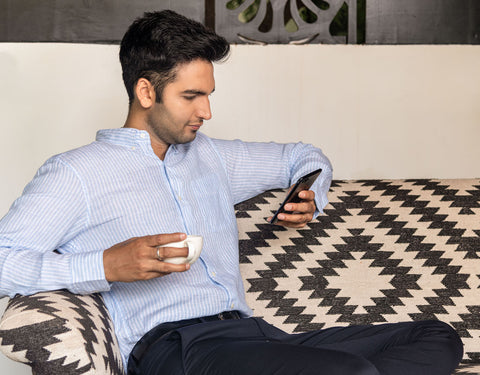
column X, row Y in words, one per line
column 384, row 251
column 61, row 333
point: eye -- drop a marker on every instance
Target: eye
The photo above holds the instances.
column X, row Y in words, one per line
column 189, row 97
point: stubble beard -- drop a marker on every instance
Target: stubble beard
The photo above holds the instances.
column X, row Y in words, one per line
column 169, row 138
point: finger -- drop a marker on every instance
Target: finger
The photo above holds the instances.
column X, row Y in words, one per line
column 288, row 224
column 164, row 252
column 156, row 268
column 164, row 238
column 303, row 207
column 167, row 268
column 307, row 195
column 296, row 220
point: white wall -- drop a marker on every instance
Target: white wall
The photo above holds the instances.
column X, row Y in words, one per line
column 376, row 111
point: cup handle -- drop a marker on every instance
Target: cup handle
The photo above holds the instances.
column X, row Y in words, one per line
column 191, row 250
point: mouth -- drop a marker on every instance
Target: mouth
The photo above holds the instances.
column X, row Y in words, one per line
column 194, row 127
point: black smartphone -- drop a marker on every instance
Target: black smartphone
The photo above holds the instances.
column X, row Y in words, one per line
column 303, row 183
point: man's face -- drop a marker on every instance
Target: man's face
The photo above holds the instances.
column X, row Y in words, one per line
column 185, row 104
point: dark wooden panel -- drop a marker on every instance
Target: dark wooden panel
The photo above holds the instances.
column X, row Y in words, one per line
column 423, row 22
column 264, row 21
column 92, row 21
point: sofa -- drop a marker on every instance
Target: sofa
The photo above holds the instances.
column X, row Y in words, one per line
column 382, row 251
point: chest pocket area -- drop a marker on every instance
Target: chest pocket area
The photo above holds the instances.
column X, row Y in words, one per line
column 212, row 207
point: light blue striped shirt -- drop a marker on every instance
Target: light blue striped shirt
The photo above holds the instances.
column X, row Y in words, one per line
column 86, row 200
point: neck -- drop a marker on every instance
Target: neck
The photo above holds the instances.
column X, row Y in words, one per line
column 137, row 120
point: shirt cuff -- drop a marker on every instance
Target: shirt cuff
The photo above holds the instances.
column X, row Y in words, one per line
column 88, row 274
column 321, row 188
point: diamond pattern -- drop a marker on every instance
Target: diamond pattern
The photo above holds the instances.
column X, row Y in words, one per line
column 384, row 251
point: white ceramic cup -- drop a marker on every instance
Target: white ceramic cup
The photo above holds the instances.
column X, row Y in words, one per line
column 194, row 244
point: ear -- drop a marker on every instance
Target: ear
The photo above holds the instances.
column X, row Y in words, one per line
column 145, row 93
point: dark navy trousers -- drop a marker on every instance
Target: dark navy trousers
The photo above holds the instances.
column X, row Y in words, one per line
column 253, row 347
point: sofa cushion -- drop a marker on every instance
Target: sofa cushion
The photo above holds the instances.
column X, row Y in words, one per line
column 60, row 333
column 384, row 251
column 468, row 369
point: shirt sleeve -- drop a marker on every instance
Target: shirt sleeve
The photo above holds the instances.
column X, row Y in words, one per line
column 51, row 211
column 255, row 167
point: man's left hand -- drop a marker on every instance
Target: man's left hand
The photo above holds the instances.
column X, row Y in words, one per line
column 298, row 214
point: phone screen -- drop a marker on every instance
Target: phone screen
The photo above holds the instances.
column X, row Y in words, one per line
column 303, row 183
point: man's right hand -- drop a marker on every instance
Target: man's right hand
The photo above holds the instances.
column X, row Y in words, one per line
column 136, row 258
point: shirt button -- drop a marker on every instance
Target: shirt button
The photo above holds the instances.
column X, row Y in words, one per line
column 232, row 306
column 214, row 274
column 132, row 148
column 143, row 135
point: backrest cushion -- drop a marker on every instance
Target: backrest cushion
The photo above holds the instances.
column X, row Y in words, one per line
column 384, row 251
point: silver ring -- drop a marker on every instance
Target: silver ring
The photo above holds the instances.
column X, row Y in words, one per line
column 158, row 254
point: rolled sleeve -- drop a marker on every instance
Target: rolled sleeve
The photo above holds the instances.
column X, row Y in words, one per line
column 321, row 188
column 254, row 167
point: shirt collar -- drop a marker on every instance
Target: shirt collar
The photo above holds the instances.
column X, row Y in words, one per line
column 122, row 136
column 132, row 138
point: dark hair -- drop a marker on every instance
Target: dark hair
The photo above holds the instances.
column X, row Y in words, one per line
column 155, row 44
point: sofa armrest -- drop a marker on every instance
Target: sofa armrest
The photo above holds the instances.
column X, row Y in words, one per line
column 60, row 333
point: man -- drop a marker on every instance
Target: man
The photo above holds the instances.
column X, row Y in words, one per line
column 109, row 206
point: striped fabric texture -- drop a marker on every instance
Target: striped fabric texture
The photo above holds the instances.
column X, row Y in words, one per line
column 89, row 199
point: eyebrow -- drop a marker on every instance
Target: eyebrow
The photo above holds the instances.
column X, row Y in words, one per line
column 197, row 92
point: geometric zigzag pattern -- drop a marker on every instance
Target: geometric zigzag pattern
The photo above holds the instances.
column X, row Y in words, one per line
column 383, row 251
column 60, row 333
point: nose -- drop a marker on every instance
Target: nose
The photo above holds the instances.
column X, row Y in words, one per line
column 204, row 111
